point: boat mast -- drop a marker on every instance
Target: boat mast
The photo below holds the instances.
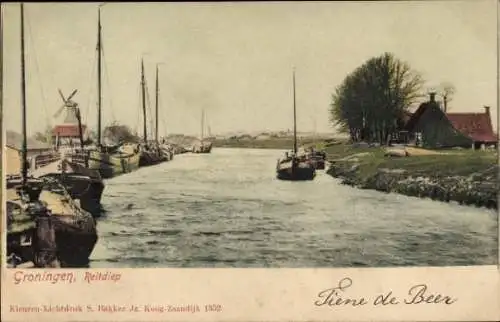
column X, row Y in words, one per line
column 294, row 118
column 156, row 105
column 99, row 88
column 202, row 122
column 498, row 56
column 24, row 148
column 315, row 130
column 143, row 87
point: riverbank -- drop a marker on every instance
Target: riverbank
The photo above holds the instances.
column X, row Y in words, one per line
column 464, row 176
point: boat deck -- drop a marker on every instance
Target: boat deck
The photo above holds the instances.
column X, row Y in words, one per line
column 59, row 205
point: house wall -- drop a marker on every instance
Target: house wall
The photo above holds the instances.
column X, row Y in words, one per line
column 67, row 141
column 13, row 159
column 437, row 131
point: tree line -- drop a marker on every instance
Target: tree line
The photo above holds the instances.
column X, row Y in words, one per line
column 371, row 102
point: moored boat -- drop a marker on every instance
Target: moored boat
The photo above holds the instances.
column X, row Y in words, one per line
column 29, row 226
column 44, row 224
column 109, row 160
column 294, row 167
column 113, row 161
column 83, row 184
column 151, row 154
column 316, row 158
column 168, row 150
column 175, row 148
column 49, row 228
column 203, row 145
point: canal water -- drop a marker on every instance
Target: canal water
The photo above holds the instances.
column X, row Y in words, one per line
column 226, row 209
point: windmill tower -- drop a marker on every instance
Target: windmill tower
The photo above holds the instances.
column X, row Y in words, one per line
column 70, row 107
column 68, row 133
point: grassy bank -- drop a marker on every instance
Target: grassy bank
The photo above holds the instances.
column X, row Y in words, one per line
column 465, row 176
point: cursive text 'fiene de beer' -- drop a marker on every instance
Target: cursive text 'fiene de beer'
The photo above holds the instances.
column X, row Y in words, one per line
column 417, row 294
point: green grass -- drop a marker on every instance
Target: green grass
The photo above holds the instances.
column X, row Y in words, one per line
column 456, row 163
column 462, row 164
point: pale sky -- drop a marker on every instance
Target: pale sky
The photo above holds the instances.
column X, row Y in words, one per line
column 236, row 59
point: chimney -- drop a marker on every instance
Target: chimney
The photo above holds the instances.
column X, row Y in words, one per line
column 487, row 110
column 433, row 97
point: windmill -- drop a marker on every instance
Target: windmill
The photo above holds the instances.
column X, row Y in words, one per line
column 71, row 108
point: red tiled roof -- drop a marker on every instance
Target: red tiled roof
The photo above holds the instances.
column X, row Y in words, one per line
column 477, row 126
column 70, row 130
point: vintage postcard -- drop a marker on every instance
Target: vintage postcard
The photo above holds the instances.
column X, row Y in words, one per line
column 250, row 161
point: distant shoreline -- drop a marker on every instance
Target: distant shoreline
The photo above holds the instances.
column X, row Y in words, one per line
column 274, row 143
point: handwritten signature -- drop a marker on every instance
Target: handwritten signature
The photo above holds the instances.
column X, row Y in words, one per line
column 417, row 294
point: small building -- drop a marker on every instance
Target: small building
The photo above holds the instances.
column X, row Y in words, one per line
column 67, row 134
column 431, row 127
column 13, row 145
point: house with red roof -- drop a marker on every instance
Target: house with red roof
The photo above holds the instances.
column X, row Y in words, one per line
column 432, row 127
column 68, row 133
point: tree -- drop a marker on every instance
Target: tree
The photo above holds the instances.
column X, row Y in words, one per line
column 371, row 101
column 45, row 136
column 446, row 91
column 39, row 136
column 120, row 134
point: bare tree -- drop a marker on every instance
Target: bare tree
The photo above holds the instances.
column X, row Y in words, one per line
column 45, row 136
column 120, row 133
column 446, row 91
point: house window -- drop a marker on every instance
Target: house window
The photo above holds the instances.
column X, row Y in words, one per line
column 418, row 138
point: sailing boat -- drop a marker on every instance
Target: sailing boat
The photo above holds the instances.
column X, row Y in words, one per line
column 45, row 225
column 294, row 167
column 203, row 146
column 109, row 160
column 150, row 152
column 166, row 149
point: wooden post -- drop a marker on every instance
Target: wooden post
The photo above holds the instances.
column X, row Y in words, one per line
column 24, row 144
